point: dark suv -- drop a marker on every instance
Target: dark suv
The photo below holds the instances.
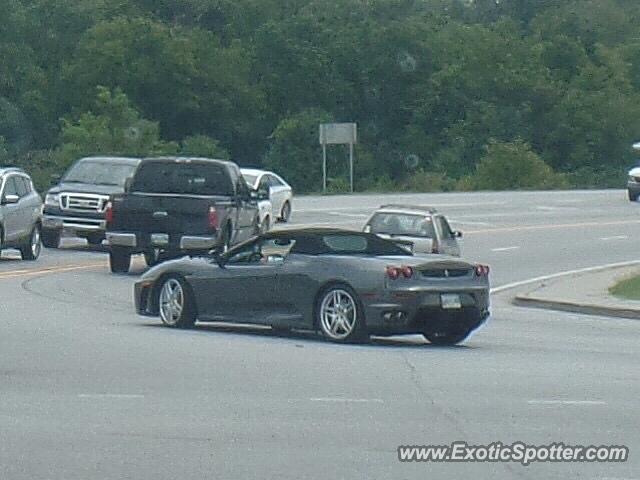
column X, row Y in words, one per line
column 76, row 206
column 20, row 213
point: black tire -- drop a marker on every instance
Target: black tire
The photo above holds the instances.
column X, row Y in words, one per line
column 632, row 196
column 446, row 339
column 225, row 244
column 265, row 226
column 285, row 214
column 95, row 239
column 356, row 330
column 187, row 316
column 119, row 260
column 32, row 246
column 50, row 238
column 152, row 257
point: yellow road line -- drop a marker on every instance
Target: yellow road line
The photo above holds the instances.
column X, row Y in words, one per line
column 551, row 226
column 43, row 271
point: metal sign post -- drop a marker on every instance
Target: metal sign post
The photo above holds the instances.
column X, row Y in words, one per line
column 337, row 134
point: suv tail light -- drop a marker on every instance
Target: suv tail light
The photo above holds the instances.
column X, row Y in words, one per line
column 395, row 273
column 482, row 270
column 214, row 221
column 108, row 213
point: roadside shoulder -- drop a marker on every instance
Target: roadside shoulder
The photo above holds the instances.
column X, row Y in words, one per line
column 585, row 293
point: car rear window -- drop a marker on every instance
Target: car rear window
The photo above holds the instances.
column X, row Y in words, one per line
column 182, row 178
column 402, row 224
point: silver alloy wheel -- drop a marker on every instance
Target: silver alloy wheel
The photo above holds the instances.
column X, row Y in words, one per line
column 36, row 245
column 171, row 302
column 338, row 314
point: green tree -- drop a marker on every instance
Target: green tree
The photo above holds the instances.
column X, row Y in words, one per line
column 295, row 151
column 114, row 126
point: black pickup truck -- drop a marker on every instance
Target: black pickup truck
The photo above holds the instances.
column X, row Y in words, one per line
column 174, row 206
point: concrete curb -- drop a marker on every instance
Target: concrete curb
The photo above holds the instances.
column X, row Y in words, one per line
column 576, row 307
column 562, row 295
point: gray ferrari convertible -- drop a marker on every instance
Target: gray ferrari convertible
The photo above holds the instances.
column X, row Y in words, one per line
column 345, row 284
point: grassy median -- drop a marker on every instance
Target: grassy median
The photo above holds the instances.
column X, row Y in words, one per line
column 628, row 288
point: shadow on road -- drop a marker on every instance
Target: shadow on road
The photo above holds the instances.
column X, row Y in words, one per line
column 308, row 336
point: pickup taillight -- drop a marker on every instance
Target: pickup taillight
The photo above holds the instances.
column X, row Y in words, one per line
column 214, row 220
column 108, row 213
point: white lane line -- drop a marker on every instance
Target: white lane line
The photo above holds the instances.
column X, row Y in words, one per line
column 354, row 215
column 567, row 402
column 618, row 237
column 379, row 202
column 509, row 286
column 465, row 222
column 505, row 249
column 109, row 395
column 346, row 400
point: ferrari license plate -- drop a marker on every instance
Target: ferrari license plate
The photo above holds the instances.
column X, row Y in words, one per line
column 159, row 239
column 450, row 301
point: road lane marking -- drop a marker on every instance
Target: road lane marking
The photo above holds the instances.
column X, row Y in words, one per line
column 618, row 237
column 467, row 222
column 505, row 249
column 346, row 400
column 397, row 202
column 352, row 215
column 567, row 402
column 43, row 271
column 110, row 395
column 522, row 283
column 552, row 226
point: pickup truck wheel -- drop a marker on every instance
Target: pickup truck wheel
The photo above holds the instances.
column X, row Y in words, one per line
column 226, row 239
column 175, row 303
column 285, row 214
column 119, row 260
column 152, row 257
column 50, row 238
column 30, row 249
column 266, row 225
column 632, row 196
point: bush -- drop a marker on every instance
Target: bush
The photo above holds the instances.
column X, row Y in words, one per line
column 422, row 181
column 512, row 166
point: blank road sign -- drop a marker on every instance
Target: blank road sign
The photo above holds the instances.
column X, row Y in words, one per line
column 338, row 134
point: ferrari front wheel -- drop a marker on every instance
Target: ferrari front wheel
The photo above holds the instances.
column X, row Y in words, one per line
column 339, row 314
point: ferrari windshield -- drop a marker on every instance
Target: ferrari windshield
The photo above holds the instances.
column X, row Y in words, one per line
column 346, row 244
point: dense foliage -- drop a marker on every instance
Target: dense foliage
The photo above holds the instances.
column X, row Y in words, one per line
column 447, row 93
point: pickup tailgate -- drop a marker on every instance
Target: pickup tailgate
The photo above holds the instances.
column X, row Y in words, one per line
column 162, row 213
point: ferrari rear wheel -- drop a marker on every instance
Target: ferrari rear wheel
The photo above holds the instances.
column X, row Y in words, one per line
column 339, row 314
column 446, row 339
column 175, row 304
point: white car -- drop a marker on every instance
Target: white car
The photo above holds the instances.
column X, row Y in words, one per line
column 280, row 193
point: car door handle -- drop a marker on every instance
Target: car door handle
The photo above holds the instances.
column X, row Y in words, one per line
column 160, row 214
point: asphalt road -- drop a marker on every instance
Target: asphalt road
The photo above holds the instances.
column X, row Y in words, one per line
column 88, row 390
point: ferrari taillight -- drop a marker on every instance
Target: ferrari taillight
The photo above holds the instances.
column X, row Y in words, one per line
column 395, row 273
column 482, row 270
